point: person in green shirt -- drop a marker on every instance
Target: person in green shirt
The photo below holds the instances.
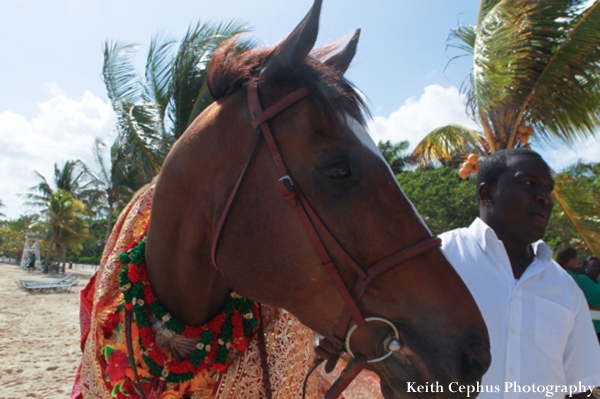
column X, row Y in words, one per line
column 589, row 284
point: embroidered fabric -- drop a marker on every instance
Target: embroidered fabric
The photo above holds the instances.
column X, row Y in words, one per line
column 289, row 343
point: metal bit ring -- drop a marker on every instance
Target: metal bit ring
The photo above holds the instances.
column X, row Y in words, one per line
column 395, row 347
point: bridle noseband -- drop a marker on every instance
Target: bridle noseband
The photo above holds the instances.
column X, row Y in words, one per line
column 329, row 349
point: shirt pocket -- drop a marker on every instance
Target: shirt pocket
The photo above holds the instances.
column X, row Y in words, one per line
column 553, row 324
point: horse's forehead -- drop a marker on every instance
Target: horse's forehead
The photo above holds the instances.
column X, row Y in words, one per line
column 363, row 135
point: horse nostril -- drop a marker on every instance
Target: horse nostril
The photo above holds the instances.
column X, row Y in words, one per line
column 474, row 362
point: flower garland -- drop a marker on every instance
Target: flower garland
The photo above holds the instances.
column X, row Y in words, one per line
column 229, row 330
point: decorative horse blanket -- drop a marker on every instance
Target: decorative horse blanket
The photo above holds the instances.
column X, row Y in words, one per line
column 105, row 372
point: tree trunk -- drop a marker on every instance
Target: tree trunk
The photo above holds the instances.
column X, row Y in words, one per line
column 64, row 259
column 47, row 258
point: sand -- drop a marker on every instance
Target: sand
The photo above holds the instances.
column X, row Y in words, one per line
column 39, row 336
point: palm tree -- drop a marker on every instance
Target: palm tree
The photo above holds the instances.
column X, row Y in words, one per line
column 536, row 73
column 62, row 213
column 71, row 183
column 2, row 206
column 152, row 113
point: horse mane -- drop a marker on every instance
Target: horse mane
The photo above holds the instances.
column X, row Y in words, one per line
column 233, row 65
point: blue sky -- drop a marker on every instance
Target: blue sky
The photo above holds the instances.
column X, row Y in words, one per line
column 53, row 102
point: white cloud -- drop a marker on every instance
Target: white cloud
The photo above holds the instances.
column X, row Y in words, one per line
column 437, row 106
column 559, row 157
column 64, row 129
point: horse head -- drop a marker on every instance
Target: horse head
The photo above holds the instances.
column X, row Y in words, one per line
column 227, row 215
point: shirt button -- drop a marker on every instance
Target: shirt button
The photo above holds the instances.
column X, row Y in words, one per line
column 512, row 330
column 511, row 370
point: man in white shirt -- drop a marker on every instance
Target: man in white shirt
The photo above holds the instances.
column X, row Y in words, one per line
column 541, row 335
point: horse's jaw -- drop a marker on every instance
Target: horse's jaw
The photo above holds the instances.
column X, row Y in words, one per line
column 405, row 376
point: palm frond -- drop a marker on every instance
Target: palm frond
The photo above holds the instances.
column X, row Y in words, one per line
column 465, row 36
column 447, row 142
column 98, row 151
column 139, row 140
column 190, row 67
column 485, row 7
column 563, row 95
column 536, row 62
column 159, row 64
column 43, row 188
column 119, row 75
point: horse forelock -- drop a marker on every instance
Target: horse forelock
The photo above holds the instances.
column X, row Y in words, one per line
column 232, row 66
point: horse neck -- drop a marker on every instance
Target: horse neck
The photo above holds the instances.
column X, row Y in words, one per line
column 187, row 200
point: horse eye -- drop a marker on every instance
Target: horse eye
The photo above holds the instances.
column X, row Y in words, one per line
column 340, row 170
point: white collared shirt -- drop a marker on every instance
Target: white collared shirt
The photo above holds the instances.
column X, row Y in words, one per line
column 540, row 327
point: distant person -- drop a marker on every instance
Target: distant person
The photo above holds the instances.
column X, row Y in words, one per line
column 31, row 265
column 539, row 324
column 567, row 257
column 589, row 284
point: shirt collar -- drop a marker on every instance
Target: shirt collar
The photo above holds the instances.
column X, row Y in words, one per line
column 484, row 236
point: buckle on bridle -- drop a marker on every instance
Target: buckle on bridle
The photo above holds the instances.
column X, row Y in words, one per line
column 394, row 345
column 286, row 186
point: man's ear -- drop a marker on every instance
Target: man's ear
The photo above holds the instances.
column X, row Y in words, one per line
column 484, row 192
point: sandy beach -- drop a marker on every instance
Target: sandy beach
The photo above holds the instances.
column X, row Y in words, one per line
column 39, row 336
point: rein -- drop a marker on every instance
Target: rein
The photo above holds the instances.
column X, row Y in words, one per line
column 340, row 342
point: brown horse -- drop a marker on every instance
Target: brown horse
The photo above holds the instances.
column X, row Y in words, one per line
column 261, row 245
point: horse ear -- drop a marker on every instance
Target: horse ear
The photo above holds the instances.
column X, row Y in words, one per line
column 294, row 49
column 342, row 60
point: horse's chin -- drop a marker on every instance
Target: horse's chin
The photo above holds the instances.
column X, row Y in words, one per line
column 394, row 382
column 400, row 392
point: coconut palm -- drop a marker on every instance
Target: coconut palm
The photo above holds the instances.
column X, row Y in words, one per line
column 536, row 74
column 536, row 71
column 2, row 206
column 70, row 183
column 153, row 112
column 62, row 213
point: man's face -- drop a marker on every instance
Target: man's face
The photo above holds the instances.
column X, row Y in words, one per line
column 522, row 200
column 593, row 268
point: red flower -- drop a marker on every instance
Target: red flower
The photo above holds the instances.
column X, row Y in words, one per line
column 133, row 273
column 117, row 365
column 109, row 325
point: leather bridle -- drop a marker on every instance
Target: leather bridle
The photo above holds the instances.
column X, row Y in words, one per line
column 327, row 349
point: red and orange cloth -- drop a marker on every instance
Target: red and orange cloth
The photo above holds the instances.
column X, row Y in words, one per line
column 104, row 371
